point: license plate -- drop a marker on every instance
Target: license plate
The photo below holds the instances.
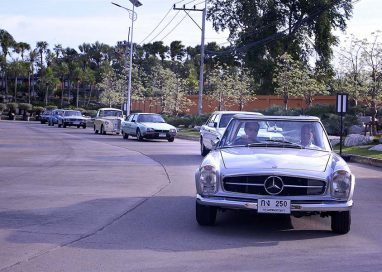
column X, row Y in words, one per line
column 162, row 134
column 76, row 122
column 273, row 206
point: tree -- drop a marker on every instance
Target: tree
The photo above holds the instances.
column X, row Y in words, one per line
column 112, row 88
column 222, row 82
column 287, row 78
column 18, row 69
column 50, row 81
column 41, row 47
column 372, row 55
column 6, row 42
column 177, row 50
column 243, row 87
column 263, row 30
column 350, row 74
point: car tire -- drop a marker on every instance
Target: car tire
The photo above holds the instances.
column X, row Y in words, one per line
column 205, row 215
column 125, row 135
column 63, row 125
column 95, row 130
column 171, row 139
column 102, row 131
column 341, row 222
column 59, row 125
column 203, row 150
column 83, row 126
column 139, row 135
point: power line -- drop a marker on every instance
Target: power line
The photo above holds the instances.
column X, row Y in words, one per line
column 176, row 14
column 174, row 27
column 164, row 17
column 156, row 26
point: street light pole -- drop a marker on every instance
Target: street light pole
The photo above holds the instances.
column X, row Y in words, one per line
column 133, row 16
column 201, row 74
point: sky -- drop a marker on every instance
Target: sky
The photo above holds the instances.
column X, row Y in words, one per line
column 73, row 22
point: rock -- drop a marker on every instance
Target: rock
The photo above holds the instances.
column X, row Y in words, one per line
column 377, row 147
column 356, row 139
column 335, row 141
column 356, row 129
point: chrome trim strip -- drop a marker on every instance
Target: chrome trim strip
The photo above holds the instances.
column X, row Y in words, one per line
column 252, row 205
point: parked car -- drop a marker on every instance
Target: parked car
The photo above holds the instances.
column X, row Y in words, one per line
column 44, row 117
column 108, row 120
column 214, row 128
column 53, row 118
column 148, row 125
column 71, row 118
column 299, row 175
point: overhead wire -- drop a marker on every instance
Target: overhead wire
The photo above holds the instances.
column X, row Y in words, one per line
column 176, row 14
column 161, row 21
column 174, row 27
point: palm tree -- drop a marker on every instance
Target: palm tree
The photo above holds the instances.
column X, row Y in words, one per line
column 41, row 48
column 177, row 50
column 21, row 47
column 6, row 42
column 18, row 68
column 32, row 58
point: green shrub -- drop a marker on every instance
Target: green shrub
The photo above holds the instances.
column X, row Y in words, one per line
column 12, row 107
column 51, row 107
column 25, row 107
column 38, row 110
column 2, row 107
column 279, row 111
column 91, row 113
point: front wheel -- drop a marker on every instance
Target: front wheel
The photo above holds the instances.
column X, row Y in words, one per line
column 95, row 130
column 139, row 135
column 341, row 222
column 205, row 215
column 203, row 150
column 64, row 125
column 125, row 135
column 59, row 125
column 102, row 131
column 171, row 139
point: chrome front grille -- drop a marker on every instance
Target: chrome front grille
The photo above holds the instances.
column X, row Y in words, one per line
column 161, row 131
column 293, row 186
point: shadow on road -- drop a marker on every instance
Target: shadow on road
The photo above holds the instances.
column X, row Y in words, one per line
column 162, row 223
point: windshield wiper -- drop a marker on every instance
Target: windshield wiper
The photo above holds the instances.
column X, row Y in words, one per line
column 285, row 143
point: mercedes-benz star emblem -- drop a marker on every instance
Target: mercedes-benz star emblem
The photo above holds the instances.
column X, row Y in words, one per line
column 273, row 185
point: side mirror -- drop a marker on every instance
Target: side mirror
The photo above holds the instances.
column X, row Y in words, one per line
column 133, row 121
column 215, row 143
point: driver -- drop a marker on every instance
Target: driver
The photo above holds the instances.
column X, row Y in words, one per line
column 307, row 136
column 251, row 128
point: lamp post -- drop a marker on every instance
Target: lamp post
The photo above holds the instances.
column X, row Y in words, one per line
column 133, row 16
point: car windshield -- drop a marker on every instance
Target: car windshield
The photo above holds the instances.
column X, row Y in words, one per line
column 116, row 113
column 150, row 118
column 73, row 113
column 276, row 133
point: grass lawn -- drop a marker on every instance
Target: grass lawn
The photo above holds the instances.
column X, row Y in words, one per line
column 189, row 132
column 356, row 150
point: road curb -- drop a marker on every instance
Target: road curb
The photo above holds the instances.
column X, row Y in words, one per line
column 191, row 138
column 365, row 160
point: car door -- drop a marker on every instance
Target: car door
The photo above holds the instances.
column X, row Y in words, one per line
column 133, row 125
column 209, row 134
column 126, row 126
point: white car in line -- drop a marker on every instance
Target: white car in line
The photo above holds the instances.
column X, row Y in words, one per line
column 108, row 120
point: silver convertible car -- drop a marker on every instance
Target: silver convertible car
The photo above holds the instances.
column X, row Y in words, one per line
column 298, row 174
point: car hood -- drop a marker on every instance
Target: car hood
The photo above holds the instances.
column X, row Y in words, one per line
column 158, row 126
column 74, row 117
column 275, row 158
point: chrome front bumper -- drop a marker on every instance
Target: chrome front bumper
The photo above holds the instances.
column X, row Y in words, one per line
column 295, row 207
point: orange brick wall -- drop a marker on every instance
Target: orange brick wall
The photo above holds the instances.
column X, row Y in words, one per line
column 152, row 104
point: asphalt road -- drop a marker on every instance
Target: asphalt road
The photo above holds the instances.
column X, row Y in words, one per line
column 71, row 200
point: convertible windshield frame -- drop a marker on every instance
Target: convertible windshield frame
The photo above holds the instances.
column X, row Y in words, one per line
column 277, row 132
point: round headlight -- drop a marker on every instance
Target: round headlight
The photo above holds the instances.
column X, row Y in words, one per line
column 341, row 184
column 208, row 184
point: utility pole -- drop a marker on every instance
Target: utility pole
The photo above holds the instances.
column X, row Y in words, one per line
column 203, row 29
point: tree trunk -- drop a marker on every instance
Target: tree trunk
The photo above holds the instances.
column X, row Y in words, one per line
column 90, row 94
column 78, row 92
column 15, row 98
column 29, row 88
column 46, row 96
